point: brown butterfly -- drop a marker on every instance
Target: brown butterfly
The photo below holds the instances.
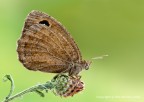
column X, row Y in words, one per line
column 45, row 45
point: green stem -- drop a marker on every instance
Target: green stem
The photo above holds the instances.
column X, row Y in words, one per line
column 37, row 88
column 20, row 94
column 8, row 77
column 57, row 84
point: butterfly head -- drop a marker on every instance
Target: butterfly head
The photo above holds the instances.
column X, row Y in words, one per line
column 76, row 68
column 86, row 64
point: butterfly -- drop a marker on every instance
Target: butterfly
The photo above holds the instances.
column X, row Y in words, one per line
column 45, row 45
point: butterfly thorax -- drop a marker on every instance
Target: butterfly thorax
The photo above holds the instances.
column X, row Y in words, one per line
column 75, row 68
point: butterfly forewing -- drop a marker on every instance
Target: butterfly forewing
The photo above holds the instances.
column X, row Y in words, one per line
column 45, row 45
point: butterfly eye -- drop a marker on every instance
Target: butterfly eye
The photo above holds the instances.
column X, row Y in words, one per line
column 45, row 22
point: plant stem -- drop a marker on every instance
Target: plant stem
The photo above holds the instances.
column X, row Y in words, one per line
column 59, row 86
column 20, row 94
column 8, row 77
column 37, row 88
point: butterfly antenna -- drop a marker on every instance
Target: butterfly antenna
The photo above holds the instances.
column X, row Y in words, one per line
column 99, row 57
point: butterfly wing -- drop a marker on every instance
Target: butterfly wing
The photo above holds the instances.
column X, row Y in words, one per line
column 45, row 44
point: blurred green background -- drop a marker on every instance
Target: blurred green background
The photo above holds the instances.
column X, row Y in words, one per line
column 113, row 27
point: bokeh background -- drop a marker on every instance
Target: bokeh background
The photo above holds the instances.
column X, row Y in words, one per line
column 113, row 27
